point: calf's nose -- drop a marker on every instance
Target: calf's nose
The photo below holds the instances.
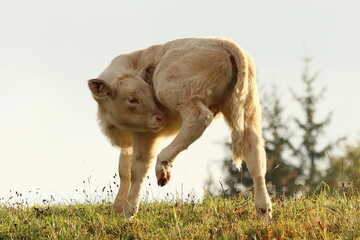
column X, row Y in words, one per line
column 160, row 118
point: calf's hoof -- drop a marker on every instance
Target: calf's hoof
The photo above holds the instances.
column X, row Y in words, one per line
column 127, row 212
column 163, row 173
column 264, row 214
column 263, row 208
column 163, row 179
column 118, row 208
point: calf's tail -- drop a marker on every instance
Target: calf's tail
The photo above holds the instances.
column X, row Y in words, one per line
column 245, row 111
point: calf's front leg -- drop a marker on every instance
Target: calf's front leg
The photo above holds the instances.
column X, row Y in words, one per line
column 143, row 147
column 125, row 174
column 195, row 119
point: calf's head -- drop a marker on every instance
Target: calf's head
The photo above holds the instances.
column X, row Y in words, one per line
column 127, row 103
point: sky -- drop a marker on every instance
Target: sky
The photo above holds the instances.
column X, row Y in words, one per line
column 49, row 137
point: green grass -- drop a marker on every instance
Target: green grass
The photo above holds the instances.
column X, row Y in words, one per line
column 321, row 216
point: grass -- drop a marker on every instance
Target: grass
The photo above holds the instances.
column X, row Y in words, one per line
column 322, row 216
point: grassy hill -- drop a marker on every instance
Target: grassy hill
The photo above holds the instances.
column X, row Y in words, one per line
column 322, row 216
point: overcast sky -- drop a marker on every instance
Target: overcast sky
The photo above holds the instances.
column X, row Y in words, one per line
column 49, row 138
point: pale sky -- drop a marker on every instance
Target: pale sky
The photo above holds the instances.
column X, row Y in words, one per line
column 49, row 138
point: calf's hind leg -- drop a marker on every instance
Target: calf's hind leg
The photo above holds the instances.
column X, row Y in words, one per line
column 255, row 158
column 195, row 119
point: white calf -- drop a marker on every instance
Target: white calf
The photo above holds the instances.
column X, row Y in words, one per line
column 173, row 88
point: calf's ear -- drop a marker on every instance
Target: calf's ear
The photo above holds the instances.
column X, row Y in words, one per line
column 147, row 73
column 100, row 89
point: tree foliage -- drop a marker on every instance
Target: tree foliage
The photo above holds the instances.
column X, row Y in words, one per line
column 281, row 172
column 308, row 151
column 345, row 169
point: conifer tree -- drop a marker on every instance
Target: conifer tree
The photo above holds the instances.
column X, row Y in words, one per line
column 282, row 172
column 309, row 151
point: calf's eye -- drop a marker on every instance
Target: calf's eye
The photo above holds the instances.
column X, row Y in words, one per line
column 133, row 100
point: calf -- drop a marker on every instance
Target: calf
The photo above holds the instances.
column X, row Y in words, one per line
column 177, row 88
